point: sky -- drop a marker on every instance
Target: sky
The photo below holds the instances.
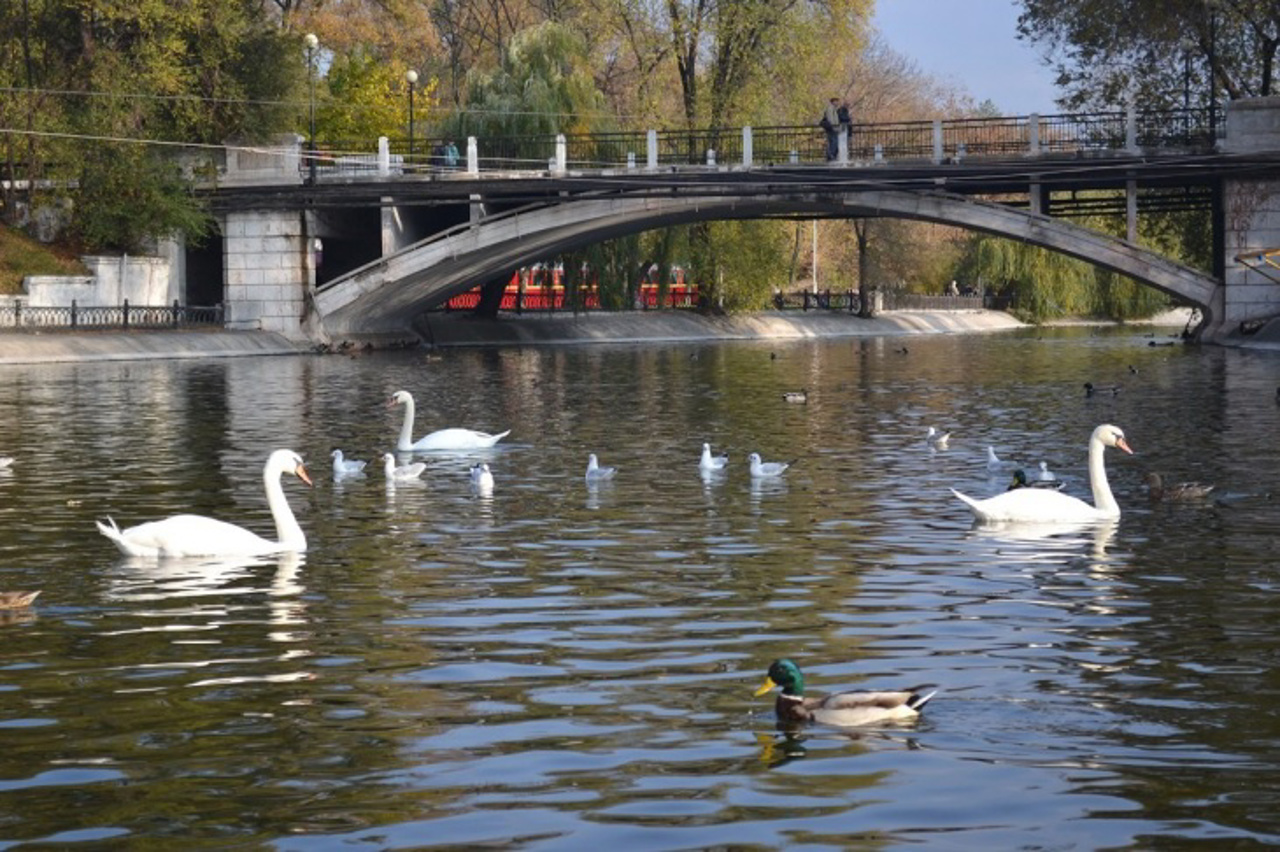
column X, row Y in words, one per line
column 973, row 45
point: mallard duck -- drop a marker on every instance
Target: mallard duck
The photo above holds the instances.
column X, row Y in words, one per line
column 1182, row 492
column 800, row 396
column 1020, row 481
column 1092, row 390
column 17, row 600
column 846, row 709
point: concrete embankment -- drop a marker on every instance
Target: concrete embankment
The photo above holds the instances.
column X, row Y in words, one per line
column 68, row 347
column 464, row 330
column 671, row 326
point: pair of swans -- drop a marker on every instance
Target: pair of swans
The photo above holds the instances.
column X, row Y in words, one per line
column 196, row 535
column 1044, row 505
column 441, row 439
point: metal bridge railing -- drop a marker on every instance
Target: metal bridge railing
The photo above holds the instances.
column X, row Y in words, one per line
column 936, row 141
column 17, row 316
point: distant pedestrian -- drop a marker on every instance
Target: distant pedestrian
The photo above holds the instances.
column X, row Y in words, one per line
column 437, row 156
column 830, row 123
column 450, row 155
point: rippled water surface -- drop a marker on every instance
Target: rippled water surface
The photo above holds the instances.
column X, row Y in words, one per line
column 565, row 667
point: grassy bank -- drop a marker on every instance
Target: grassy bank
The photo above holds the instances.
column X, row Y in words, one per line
column 21, row 256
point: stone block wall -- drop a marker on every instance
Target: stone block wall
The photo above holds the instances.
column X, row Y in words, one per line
column 1251, row 214
column 268, row 271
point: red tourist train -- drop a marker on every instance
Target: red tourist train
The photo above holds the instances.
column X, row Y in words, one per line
column 541, row 288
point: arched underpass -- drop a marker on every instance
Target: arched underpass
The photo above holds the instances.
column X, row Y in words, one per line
column 384, row 297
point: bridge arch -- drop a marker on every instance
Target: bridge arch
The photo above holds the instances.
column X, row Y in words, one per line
column 385, row 296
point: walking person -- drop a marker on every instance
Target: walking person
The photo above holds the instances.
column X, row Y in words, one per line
column 831, row 124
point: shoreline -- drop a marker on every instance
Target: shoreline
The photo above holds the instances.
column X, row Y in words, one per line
column 462, row 330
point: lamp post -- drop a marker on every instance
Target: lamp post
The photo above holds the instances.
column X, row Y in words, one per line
column 1188, row 47
column 1212, row 6
column 312, row 43
column 412, row 77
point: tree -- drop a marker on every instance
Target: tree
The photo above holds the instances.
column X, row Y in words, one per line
column 1152, row 49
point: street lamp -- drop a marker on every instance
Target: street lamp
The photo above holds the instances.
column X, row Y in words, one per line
column 1212, row 6
column 412, row 77
column 1188, row 47
column 312, row 43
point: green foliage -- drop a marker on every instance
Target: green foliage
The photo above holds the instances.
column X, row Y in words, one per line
column 544, row 86
column 366, row 97
column 126, row 196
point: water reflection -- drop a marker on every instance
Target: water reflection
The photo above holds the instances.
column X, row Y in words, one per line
column 584, row 655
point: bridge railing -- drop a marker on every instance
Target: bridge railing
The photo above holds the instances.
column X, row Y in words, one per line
column 935, row 141
column 15, row 315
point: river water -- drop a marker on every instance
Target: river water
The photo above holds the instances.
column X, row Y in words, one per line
column 558, row 666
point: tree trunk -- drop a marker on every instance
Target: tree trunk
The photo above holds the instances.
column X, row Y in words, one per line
column 866, row 307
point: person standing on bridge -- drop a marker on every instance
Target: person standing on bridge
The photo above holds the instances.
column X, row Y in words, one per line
column 450, row 155
column 831, row 124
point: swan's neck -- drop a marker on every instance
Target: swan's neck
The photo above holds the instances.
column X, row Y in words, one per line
column 1102, row 499
column 288, row 533
column 406, row 426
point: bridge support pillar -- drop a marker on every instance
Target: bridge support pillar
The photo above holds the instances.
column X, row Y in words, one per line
column 269, row 270
column 1247, row 222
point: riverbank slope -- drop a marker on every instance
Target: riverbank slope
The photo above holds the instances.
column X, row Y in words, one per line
column 675, row 326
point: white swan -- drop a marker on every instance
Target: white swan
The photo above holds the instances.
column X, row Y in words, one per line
column 994, row 462
column 197, row 535
column 763, row 469
column 402, row 472
column 709, row 463
column 1043, row 505
column 345, row 467
column 595, row 472
column 441, row 439
column 482, row 477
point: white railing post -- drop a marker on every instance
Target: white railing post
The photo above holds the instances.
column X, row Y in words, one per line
column 711, row 156
column 562, row 155
column 631, row 161
column 384, row 157
column 842, row 147
column 937, row 140
column 747, row 155
column 878, row 152
column 1130, row 126
column 1033, row 134
column 651, row 146
column 473, row 156
column 962, row 151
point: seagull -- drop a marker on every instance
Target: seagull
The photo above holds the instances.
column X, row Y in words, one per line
column 994, row 462
column 800, row 396
column 1046, row 475
column 344, row 467
column 938, row 440
column 596, row 473
column 402, row 472
column 481, row 477
column 5, row 461
column 710, row 463
column 761, row 470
